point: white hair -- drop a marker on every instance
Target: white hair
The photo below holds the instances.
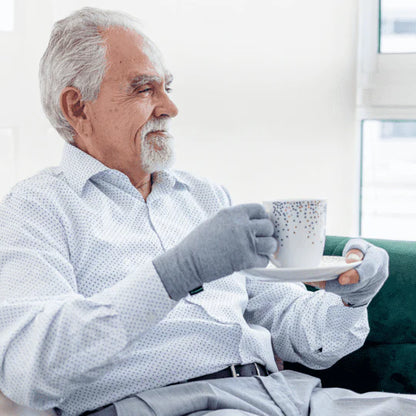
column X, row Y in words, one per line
column 75, row 57
column 157, row 152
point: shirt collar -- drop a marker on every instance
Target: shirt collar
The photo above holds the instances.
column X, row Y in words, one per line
column 169, row 178
column 78, row 167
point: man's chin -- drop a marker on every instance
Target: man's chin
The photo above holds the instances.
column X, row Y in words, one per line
column 154, row 164
column 158, row 136
column 157, row 152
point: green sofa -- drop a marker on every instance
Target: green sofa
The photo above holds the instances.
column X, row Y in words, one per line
column 387, row 361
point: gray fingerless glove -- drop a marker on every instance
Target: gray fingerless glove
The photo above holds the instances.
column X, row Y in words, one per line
column 234, row 239
column 373, row 272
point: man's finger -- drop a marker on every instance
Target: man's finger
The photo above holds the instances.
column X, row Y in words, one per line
column 262, row 228
column 266, row 245
column 349, row 277
column 354, row 255
column 255, row 211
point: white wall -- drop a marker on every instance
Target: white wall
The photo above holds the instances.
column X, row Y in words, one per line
column 265, row 89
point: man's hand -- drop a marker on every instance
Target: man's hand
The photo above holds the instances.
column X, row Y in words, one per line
column 347, row 278
column 236, row 238
column 358, row 286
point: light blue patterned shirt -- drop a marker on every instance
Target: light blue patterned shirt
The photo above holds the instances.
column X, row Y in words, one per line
column 85, row 319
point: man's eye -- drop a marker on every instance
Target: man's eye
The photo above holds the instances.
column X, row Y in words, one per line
column 168, row 89
column 144, row 90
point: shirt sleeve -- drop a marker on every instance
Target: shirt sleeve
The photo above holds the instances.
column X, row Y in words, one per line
column 311, row 328
column 52, row 337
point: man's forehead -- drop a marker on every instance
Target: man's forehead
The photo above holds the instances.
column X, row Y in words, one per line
column 135, row 54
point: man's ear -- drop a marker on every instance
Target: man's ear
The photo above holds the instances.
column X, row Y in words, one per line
column 73, row 108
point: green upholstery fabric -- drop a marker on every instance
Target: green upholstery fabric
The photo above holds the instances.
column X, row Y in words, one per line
column 387, row 361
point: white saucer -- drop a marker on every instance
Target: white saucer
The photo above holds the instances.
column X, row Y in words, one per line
column 330, row 268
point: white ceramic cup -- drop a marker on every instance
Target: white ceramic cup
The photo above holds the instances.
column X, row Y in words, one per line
column 299, row 228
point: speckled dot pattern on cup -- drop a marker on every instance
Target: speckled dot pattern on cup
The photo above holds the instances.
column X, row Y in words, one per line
column 299, row 230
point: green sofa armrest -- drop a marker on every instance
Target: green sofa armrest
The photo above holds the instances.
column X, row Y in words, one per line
column 387, row 361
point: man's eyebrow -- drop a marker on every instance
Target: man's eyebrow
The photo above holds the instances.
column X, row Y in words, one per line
column 139, row 80
column 144, row 79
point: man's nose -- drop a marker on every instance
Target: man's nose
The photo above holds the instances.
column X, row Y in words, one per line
column 166, row 107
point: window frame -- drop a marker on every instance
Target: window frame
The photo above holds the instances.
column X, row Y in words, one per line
column 386, row 90
column 383, row 79
column 361, row 187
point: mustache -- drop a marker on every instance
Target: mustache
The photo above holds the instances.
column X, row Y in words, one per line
column 155, row 124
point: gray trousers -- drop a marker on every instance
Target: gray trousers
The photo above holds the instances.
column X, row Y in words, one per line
column 286, row 393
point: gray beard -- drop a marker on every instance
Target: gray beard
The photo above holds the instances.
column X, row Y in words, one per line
column 154, row 160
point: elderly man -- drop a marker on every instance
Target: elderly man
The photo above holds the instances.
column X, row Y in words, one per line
column 121, row 281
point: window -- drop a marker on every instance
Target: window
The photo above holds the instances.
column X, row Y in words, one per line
column 386, row 103
column 388, row 191
column 398, row 26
